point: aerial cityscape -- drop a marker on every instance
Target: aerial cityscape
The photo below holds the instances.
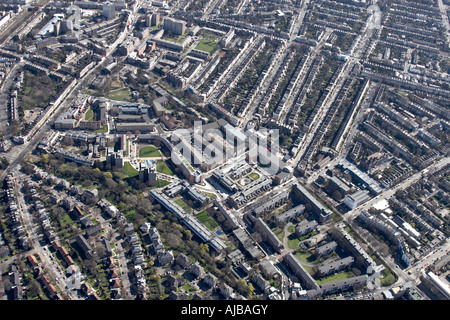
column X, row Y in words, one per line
column 225, row 150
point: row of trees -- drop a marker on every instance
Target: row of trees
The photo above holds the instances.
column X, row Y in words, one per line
column 128, row 198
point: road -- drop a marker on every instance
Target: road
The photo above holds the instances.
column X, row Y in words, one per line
column 18, row 153
column 418, row 268
column 414, row 272
column 274, row 68
column 387, row 193
column 348, row 141
column 443, row 8
column 49, row 263
column 20, row 20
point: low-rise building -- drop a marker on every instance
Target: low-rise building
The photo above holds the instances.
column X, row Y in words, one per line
column 356, row 199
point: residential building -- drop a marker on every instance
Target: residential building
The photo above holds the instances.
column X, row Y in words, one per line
column 85, row 246
column 335, row 266
column 323, row 213
column 268, row 235
column 109, row 10
column 175, row 26
column 147, row 173
column 305, row 228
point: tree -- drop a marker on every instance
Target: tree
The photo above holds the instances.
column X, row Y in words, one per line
column 250, row 289
column 91, row 266
column 28, row 168
column 204, row 248
column 67, row 141
column 34, row 287
column 337, row 196
column 44, row 159
column 58, row 213
column 242, row 287
column 100, row 251
column 7, row 284
column 187, row 234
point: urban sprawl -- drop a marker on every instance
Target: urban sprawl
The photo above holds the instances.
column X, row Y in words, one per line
column 113, row 114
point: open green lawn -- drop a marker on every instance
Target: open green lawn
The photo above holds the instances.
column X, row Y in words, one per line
column 183, row 205
column 162, row 167
column 204, row 218
column 149, row 152
column 387, row 278
column 188, row 287
column 305, row 256
column 211, row 195
column 89, row 115
column 293, row 241
column 336, row 277
column 206, row 45
column 66, row 221
column 162, row 183
column 279, row 232
column 129, row 170
column 122, row 94
column 253, row 176
column 103, row 129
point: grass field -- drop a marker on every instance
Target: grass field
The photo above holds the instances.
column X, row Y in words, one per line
column 204, row 218
column 388, row 278
column 211, row 195
column 207, row 45
column 293, row 242
column 122, row 94
column 129, row 170
column 66, row 221
column 162, row 167
column 305, row 256
column 162, row 183
column 89, row 115
column 279, row 232
column 102, row 129
column 336, row 277
column 253, row 176
column 183, row 205
column 149, row 152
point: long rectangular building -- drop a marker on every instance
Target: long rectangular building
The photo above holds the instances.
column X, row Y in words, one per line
column 318, row 208
column 291, row 213
column 250, row 191
column 337, row 286
column 304, row 276
column 190, row 221
column 264, row 229
column 273, row 202
column 335, row 266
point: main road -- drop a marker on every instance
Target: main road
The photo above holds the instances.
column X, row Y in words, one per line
column 18, row 153
column 388, row 193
